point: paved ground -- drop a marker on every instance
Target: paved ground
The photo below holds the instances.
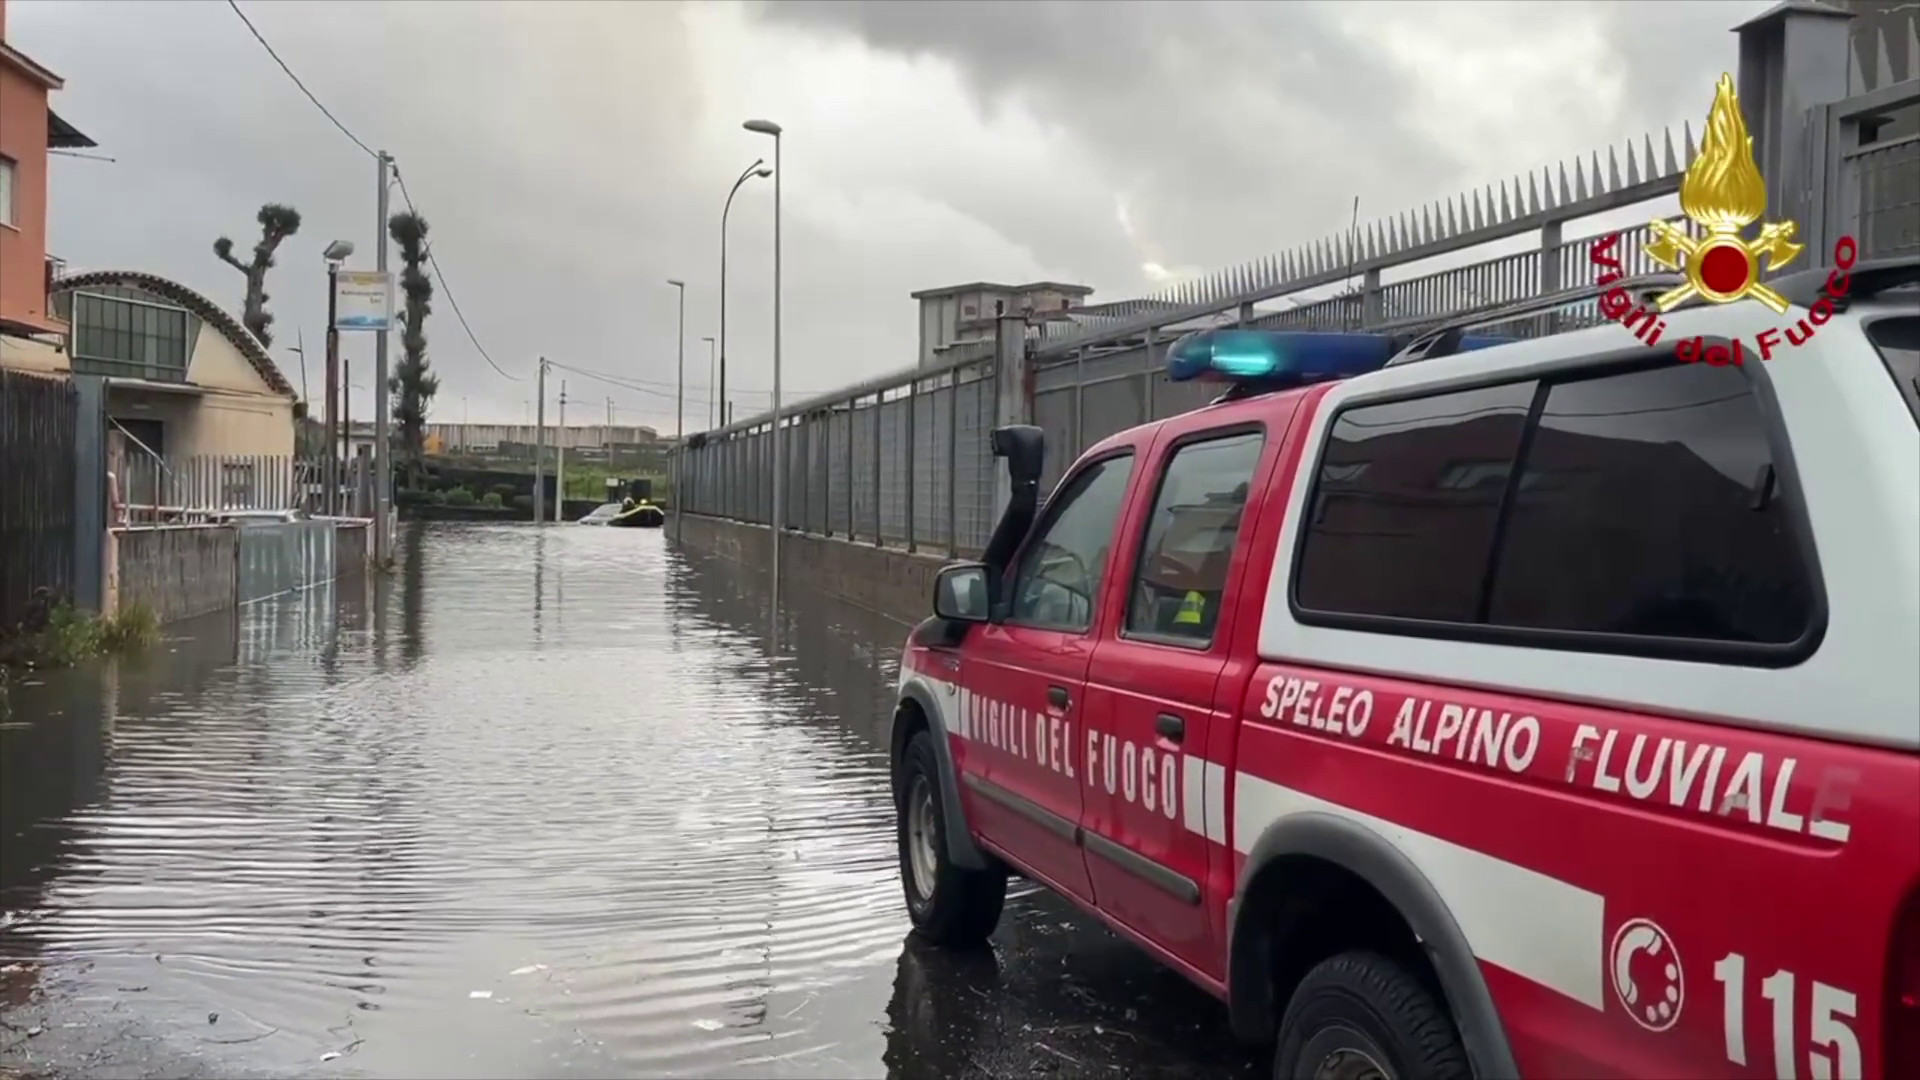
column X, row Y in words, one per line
column 540, row 806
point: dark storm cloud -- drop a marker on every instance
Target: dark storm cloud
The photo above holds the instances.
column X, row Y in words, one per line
column 572, row 156
column 1233, row 129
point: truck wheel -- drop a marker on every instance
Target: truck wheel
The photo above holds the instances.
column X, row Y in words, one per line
column 1360, row 1016
column 949, row 905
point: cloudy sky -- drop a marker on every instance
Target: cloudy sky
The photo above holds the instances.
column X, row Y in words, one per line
column 570, row 157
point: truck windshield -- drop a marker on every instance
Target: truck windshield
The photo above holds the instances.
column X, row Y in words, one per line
column 1898, row 340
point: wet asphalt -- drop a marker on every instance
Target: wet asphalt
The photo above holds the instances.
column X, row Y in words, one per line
column 537, row 805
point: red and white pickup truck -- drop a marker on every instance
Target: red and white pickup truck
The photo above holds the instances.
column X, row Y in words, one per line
column 1550, row 708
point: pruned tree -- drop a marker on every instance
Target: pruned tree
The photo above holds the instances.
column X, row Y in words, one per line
column 277, row 222
column 412, row 384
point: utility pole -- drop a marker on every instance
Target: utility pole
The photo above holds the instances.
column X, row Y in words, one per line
column 560, row 461
column 679, row 406
column 540, row 445
column 346, row 427
column 382, row 459
column 777, row 521
column 330, row 476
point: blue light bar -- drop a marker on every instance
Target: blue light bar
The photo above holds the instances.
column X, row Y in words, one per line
column 1275, row 357
column 1280, row 358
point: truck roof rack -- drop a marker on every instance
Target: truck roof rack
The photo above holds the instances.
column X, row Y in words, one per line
column 1443, row 339
column 1868, row 278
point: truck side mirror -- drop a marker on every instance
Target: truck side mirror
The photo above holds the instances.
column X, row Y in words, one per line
column 960, row 593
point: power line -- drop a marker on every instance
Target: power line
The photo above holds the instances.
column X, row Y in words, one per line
column 434, row 264
column 235, row 5
column 633, row 382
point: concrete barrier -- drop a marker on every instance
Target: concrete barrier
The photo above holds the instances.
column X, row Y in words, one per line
column 352, row 549
column 892, row 581
column 176, row 571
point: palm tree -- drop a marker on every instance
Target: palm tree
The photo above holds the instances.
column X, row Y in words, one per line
column 277, row 222
column 412, row 385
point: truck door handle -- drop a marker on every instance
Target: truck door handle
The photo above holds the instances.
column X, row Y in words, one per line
column 1057, row 697
column 1170, row 727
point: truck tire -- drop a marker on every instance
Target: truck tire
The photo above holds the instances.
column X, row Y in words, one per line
column 1361, row 1016
column 950, row 905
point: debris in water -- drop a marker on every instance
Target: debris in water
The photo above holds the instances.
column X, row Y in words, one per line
column 330, row 1055
column 708, row 1025
column 479, row 995
column 528, row 970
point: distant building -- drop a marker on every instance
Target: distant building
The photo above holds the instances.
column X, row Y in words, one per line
column 183, row 376
column 487, row 438
column 961, row 317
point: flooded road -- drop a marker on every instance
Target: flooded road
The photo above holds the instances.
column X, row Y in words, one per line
column 537, row 805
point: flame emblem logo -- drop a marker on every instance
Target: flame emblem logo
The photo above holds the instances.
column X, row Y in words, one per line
column 1723, row 194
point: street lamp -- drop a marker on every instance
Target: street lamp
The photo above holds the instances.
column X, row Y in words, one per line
column 758, row 168
column 709, row 342
column 679, row 406
column 778, row 520
column 335, row 254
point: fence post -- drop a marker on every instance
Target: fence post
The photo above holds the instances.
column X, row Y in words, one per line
column 953, row 464
column 1792, row 59
column 89, row 492
column 853, row 431
column 1147, row 393
column 913, row 406
column 879, row 435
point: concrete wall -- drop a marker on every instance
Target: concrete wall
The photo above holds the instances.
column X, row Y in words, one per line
column 177, row 572
column 352, row 550
column 32, row 354
column 893, row 582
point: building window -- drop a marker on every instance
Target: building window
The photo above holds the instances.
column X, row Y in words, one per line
column 7, row 181
column 128, row 338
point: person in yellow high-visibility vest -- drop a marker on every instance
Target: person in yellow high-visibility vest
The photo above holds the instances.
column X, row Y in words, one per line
column 1193, row 610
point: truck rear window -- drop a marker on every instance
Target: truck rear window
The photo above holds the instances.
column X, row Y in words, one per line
column 1898, row 340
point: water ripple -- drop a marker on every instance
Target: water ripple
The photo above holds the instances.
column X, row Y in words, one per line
column 555, row 767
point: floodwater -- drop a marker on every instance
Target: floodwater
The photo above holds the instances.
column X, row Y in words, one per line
column 538, row 805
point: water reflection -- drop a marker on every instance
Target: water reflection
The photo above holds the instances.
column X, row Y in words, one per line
column 585, row 831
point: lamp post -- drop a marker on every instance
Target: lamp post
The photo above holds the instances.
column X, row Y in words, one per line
column 679, row 405
column 709, row 342
column 778, row 522
column 758, row 168
column 335, row 254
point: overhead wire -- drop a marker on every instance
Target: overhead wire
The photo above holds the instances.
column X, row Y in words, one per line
column 440, row 276
column 432, row 262
column 324, row 111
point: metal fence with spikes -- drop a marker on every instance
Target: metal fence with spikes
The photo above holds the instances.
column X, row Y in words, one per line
column 1540, row 202
column 902, row 459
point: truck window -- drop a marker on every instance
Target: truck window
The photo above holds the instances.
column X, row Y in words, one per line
column 1406, row 502
column 1650, row 506
column 1060, row 569
column 1181, row 575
